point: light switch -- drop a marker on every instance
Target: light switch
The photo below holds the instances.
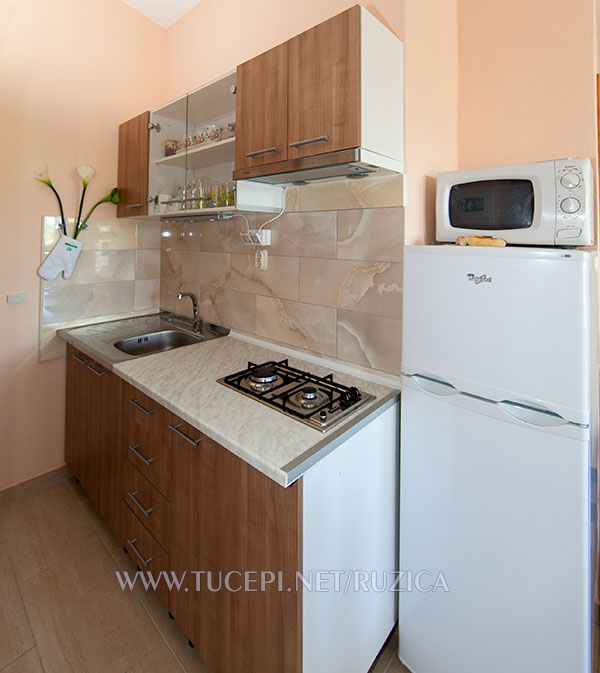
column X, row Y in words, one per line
column 14, row 298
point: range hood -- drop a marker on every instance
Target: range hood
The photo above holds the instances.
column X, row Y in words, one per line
column 352, row 163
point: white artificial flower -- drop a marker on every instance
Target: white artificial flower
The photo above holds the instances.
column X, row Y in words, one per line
column 86, row 173
column 42, row 173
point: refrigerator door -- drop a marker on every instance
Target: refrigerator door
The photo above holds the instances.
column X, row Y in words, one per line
column 505, row 324
column 501, row 509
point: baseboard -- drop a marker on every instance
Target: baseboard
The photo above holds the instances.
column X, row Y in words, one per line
column 36, row 483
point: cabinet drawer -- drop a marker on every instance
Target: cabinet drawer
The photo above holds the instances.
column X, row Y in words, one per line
column 144, row 550
column 181, row 434
column 144, row 437
column 149, row 506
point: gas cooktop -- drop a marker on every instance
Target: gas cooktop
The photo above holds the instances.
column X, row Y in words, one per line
column 317, row 401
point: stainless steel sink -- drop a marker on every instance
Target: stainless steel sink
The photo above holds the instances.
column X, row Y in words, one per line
column 156, row 342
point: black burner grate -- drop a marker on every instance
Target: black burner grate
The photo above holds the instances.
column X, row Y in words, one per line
column 332, row 400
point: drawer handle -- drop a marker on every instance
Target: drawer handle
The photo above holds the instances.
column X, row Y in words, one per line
column 80, row 359
column 265, row 151
column 146, row 461
column 308, row 141
column 138, row 504
column 145, row 562
column 134, row 205
column 92, row 368
column 136, row 403
column 177, row 431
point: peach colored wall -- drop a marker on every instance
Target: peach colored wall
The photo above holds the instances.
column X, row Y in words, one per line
column 71, row 71
column 527, row 81
column 218, row 34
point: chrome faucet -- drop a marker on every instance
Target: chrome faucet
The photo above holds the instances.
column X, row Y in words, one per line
column 196, row 320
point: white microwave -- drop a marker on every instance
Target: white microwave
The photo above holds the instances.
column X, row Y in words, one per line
column 543, row 203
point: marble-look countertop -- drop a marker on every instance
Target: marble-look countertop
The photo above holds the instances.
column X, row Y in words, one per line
column 184, row 380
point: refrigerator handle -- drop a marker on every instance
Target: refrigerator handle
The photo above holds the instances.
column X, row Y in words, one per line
column 523, row 412
column 434, row 386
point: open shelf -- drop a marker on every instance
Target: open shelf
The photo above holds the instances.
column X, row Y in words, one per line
column 176, row 214
column 200, row 156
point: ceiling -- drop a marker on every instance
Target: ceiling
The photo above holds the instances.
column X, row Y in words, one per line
column 163, row 12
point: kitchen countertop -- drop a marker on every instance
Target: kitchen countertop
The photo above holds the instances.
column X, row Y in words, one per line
column 184, row 380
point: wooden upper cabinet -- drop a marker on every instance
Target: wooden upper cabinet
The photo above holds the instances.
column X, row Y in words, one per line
column 133, row 166
column 324, row 87
column 261, row 109
column 335, row 87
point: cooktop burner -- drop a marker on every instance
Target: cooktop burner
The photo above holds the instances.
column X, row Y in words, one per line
column 265, row 374
column 317, row 401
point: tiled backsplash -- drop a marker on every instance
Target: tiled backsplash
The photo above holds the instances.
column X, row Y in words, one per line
column 333, row 284
column 117, row 275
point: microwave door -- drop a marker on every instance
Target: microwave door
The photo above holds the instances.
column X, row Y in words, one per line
column 492, row 205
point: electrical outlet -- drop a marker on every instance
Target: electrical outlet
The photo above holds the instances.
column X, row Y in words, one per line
column 261, row 258
column 256, row 236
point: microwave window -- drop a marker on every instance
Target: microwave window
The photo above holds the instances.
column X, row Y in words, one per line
column 492, row 204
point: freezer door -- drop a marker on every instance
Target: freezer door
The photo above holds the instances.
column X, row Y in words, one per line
column 501, row 323
column 502, row 511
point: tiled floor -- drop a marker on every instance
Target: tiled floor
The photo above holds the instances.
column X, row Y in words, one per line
column 61, row 609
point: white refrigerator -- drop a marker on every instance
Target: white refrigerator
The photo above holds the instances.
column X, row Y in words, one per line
column 497, row 460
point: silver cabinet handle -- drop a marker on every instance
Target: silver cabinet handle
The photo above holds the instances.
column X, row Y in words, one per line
column 145, row 562
column 308, row 141
column 92, row 368
column 136, row 403
column 134, row 205
column 80, row 359
column 189, row 440
column 265, row 151
column 147, row 461
column 138, row 504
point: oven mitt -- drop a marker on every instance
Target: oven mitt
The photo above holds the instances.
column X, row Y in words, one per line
column 62, row 258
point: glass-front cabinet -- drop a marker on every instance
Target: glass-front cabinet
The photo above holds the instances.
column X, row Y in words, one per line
column 191, row 153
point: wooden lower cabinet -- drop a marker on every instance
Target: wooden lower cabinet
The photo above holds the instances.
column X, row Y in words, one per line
column 92, row 433
column 182, row 504
column 232, row 525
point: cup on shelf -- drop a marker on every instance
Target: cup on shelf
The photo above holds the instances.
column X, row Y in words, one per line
column 228, row 131
column 215, row 133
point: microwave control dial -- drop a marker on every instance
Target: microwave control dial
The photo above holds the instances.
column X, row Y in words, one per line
column 570, row 180
column 570, row 205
